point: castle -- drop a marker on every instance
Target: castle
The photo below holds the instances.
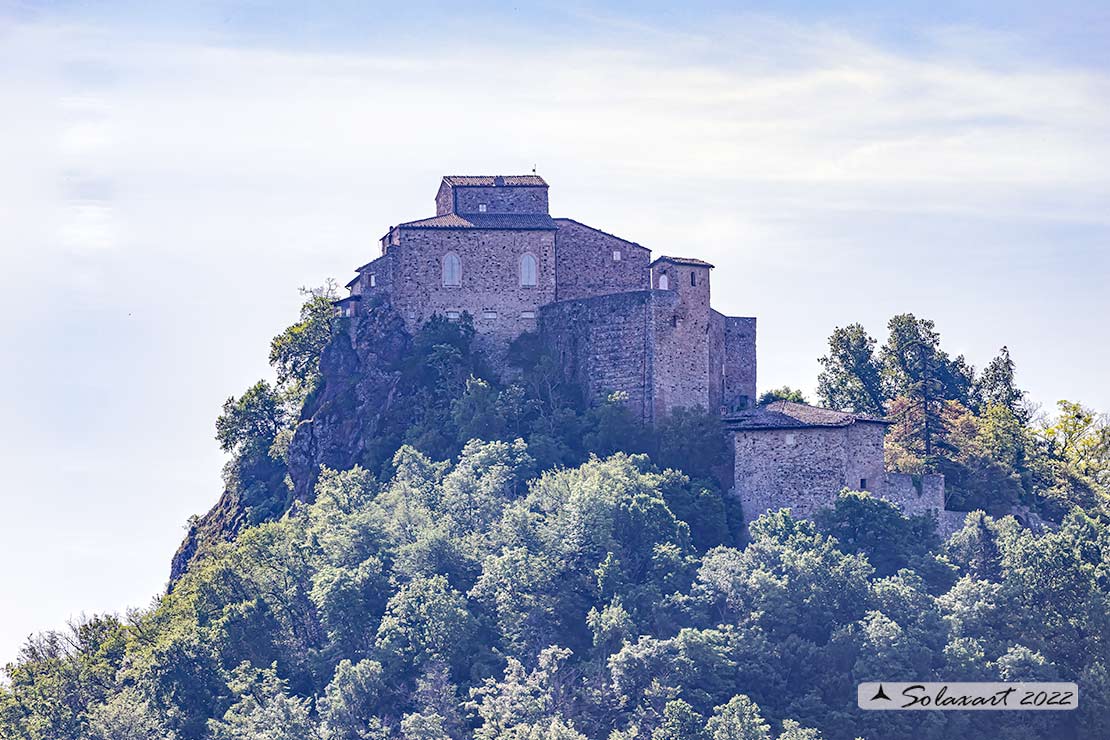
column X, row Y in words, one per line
column 619, row 320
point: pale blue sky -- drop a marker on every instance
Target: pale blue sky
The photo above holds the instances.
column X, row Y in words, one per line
column 171, row 176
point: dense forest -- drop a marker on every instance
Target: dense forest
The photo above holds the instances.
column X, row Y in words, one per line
column 510, row 563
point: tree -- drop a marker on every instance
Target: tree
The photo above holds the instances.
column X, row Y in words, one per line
column 995, row 386
column 693, row 441
column 739, row 719
column 915, row 368
column 1080, row 438
column 791, row 730
column 251, row 422
column 350, row 700
column 785, row 393
column 425, row 620
column 264, row 710
column 612, row 427
column 680, row 722
column 876, row 528
column 295, row 353
column 126, row 716
column 851, row 377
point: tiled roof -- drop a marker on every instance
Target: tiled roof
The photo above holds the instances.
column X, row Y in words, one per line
column 348, row 299
column 681, row 261
column 494, row 180
column 791, row 415
column 524, row 221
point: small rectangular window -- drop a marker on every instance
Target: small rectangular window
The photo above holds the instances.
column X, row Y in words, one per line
column 790, row 439
column 863, row 484
column 481, row 208
column 527, row 314
column 453, row 315
column 373, row 281
column 693, row 278
column 489, row 314
column 616, row 255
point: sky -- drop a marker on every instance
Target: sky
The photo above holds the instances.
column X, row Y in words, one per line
column 171, row 174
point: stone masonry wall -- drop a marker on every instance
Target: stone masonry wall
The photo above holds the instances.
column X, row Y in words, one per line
column 800, row 469
column 517, row 199
column 926, row 494
column 489, row 289
column 585, row 265
column 863, row 461
column 445, row 199
column 382, row 271
column 739, row 387
column 602, row 344
column 680, row 340
column 716, row 361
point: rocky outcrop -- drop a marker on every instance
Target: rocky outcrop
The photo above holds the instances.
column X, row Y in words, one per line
column 348, row 420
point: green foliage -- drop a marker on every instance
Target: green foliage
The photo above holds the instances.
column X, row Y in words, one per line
column 997, row 386
column 861, row 523
column 295, row 352
column 976, row 429
column 738, row 720
column 693, row 441
column 350, row 700
column 250, row 423
column 851, row 375
column 263, row 710
column 680, row 722
column 126, row 716
column 785, row 393
column 477, row 599
column 503, row 577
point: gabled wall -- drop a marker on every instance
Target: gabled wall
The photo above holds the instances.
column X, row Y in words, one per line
column 585, row 263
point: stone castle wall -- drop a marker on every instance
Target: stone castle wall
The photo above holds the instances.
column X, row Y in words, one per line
column 586, row 266
column 738, row 374
column 489, row 288
column 603, row 345
column 919, row 496
column 799, row 469
column 500, row 199
column 863, row 461
column 375, row 278
column 680, row 339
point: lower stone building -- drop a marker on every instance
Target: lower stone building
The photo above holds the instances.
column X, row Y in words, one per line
column 796, row 456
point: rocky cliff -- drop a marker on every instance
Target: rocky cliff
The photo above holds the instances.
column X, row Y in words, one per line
column 351, row 418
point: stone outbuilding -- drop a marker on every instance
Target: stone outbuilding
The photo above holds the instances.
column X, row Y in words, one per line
column 796, row 456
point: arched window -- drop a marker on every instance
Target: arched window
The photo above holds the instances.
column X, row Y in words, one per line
column 528, row 270
column 452, row 269
column 664, row 282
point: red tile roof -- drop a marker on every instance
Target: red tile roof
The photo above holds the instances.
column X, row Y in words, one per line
column 495, row 181
column 517, row 221
column 791, row 415
column 681, row 261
